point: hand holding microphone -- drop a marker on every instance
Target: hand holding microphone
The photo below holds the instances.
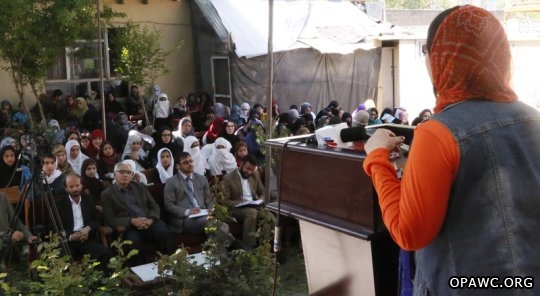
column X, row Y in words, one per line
column 383, row 138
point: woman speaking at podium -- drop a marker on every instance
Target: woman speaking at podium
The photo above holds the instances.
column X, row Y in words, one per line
column 468, row 203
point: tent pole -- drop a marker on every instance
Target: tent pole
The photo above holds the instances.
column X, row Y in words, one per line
column 269, row 125
column 100, row 54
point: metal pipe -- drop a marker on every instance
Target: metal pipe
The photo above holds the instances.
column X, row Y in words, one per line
column 270, row 65
column 100, row 55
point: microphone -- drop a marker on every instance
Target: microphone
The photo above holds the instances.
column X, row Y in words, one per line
column 353, row 134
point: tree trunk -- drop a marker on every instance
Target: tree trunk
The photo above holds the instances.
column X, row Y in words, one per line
column 40, row 107
column 20, row 85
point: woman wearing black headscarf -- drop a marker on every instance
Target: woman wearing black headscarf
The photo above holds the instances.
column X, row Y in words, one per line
column 8, row 168
column 164, row 139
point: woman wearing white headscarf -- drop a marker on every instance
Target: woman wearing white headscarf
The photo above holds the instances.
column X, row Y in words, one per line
column 74, row 155
column 185, row 128
column 193, row 147
column 134, row 151
column 162, row 111
column 221, row 160
column 164, row 170
column 244, row 112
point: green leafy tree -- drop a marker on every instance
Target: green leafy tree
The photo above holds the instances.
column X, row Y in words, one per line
column 34, row 33
column 408, row 4
column 142, row 59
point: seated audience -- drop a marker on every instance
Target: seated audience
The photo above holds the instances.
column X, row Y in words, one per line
column 229, row 135
column 241, row 185
column 241, row 150
column 96, row 138
column 80, row 219
column 18, row 235
column 112, row 105
column 74, row 155
column 186, row 194
column 134, row 151
column 129, row 204
column 185, row 128
column 424, row 115
column 92, row 185
column 221, row 161
column 374, row 116
column 164, row 139
column 165, row 167
column 9, row 171
column 61, row 159
column 192, row 146
column 107, row 159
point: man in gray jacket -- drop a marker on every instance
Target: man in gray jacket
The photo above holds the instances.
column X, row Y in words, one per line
column 187, row 197
column 129, row 204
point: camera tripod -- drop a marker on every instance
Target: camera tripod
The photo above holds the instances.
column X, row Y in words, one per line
column 38, row 191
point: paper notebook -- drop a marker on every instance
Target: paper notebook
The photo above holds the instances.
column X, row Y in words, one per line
column 250, row 203
column 203, row 212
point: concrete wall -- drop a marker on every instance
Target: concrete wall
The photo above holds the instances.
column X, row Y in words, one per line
column 172, row 18
column 413, row 89
column 419, row 17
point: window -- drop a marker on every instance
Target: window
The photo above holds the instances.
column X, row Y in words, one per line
column 77, row 71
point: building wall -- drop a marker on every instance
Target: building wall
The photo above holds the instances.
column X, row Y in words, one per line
column 413, row 85
column 172, row 18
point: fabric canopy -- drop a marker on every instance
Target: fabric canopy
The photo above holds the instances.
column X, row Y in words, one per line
column 329, row 27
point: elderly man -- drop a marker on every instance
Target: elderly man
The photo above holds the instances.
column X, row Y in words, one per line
column 242, row 189
column 129, row 204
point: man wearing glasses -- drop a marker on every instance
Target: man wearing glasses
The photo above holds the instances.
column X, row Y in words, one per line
column 187, row 194
column 242, row 192
column 188, row 199
column 129, row 204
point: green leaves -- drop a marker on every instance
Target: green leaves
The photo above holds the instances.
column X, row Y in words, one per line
column 34, row 33
column 142, row 59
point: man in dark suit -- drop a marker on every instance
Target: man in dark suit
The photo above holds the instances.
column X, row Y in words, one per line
column 129, row 204
column 183, row 199
column 242, row 185
column 79, row 217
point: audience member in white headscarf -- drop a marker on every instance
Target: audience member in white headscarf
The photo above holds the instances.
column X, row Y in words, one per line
column 244, row 112
column 134, row 151
column 162, row 111
column 221, row 161
column 185, row 128
column 193, row 147
column 74, row 156
column 165, row 166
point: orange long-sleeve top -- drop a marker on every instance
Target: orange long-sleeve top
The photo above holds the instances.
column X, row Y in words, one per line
column 414, row 208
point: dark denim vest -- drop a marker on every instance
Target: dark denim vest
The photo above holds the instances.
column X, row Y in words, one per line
column 492, row 225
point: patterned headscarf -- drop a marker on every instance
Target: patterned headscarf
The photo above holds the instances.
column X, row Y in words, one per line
column 470, row 58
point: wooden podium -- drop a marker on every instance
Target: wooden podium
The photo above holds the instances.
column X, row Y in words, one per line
column 347, row 249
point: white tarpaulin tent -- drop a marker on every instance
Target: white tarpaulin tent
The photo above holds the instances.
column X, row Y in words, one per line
column 329, row 27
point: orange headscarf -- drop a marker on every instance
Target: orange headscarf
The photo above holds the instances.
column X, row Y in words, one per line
column 470, row 58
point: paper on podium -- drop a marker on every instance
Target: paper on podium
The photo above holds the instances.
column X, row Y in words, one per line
column 329, row 135
column 203, row 212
